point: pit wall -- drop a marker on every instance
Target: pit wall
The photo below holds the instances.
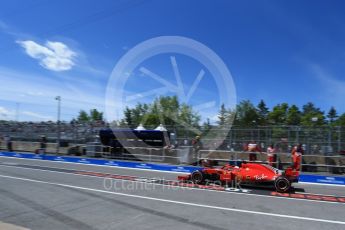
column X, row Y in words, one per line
column 306, row 178
column 283, row 157
column 311, row 160
column 93, row 161
column 310, row 163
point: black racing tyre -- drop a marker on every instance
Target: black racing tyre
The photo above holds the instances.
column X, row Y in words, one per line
column 197, row 177
column 282, row 184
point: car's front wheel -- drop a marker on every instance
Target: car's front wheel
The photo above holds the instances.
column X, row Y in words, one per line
column 282, row 184
column 197, row 177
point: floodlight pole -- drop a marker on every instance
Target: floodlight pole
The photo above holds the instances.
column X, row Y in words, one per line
column 17, row 111
column 58, row 98
column 339, row 139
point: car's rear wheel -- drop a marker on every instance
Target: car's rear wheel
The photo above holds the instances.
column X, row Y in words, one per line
column 282, row 184
column 197, row 177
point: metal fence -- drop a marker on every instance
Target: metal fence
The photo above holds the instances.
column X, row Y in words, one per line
column 30, row 131
column 324, row 146
column 316, row 140
column 325, row 140
column 184, row 155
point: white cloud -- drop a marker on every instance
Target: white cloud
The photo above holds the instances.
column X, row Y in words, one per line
column 54, row 56
column 333, row 89
column 36, row 93
column 33, row 93
column 3, row 25
column 37, row 115
column 5, row 112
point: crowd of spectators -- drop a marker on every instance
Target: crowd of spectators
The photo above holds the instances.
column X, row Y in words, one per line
column 81, row 132
column 49, row 129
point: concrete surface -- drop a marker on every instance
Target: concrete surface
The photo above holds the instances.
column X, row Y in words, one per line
column 43, row 199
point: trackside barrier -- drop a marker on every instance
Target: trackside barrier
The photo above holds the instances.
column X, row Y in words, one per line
column 335, row 180
column 308, row 178
column 125, row 164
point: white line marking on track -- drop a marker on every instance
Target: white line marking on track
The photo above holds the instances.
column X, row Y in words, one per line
column 180, row 202
column 186, row 188
column 137, row 169
column 107, row 166
column 332, row 185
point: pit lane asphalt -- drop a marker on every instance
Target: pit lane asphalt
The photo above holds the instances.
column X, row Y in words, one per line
column 27, row 200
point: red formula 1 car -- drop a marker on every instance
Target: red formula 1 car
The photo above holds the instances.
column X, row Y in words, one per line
column 246, row 174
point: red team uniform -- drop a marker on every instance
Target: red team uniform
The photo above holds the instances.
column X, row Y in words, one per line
column 296, row 155
column 271, row 155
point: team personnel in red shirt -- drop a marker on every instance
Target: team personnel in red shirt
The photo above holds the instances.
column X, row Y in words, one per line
column 253, row 148
column 296, row 155
column 271, row 155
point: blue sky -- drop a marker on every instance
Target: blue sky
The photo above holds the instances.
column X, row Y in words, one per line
column 279, row 51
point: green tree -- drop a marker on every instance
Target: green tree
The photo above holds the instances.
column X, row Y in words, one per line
column 206, row 126
column 151, row 120
column 222, row 115
column 231, row 117
column 128, row 119
column 312, row 116
column 341, row 120
column 310, row 108
column 246, row 114
column 95, row 115
column 188, row 117
column 169, row 108
column 83, row 116
column 138, row 113
column 263, row 112
column 165, row 109
column 293, row 116
column 332, row 115
column 278, row 115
